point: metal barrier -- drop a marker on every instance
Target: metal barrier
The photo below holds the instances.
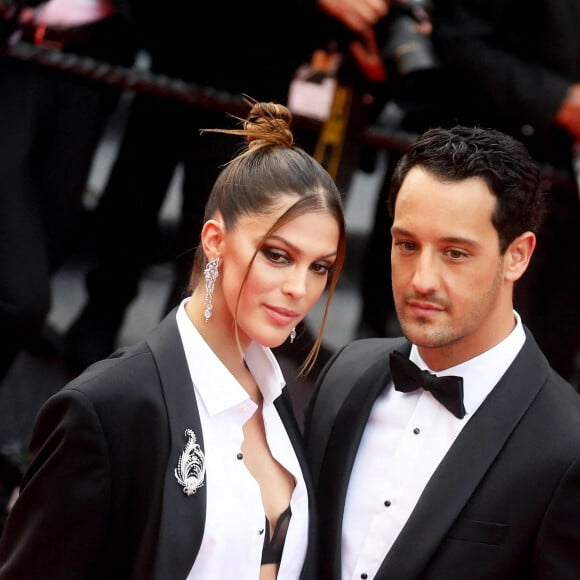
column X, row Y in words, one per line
column 138, row 80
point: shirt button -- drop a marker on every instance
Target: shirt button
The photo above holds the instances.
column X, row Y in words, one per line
column 364, row 576
column 240, row 456
column 387, row 502
column 416, row 430
column 260, row 532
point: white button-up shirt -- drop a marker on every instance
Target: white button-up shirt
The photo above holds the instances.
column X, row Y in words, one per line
column 235, row 519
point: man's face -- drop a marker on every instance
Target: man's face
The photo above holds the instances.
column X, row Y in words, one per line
column 450, row 291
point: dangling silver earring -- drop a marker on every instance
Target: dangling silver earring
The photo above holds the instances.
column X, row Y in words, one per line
column 210, row 273
column 292, row 335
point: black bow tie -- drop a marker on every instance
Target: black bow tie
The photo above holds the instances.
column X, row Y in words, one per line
column 408, row 377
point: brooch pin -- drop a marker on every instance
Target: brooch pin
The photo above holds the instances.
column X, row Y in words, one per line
column 190, row 469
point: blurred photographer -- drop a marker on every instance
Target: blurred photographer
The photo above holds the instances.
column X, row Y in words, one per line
column 385, row 54
column 378, row 30
column 359, row 17
column 51, row 124
column 396, row 65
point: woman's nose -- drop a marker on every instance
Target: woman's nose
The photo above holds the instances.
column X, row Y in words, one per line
column 296, row 283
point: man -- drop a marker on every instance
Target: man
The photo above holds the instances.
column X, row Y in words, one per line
column 406, row 488
column 514, row 66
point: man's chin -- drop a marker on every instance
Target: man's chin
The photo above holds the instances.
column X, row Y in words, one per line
column 423, row 334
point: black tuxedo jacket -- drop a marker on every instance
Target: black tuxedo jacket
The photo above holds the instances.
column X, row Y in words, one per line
column 503, row 503
column 100, row 499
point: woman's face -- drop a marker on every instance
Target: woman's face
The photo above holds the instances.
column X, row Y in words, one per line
column 287, row 277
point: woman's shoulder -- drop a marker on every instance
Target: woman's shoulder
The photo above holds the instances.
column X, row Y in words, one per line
column 128, row 373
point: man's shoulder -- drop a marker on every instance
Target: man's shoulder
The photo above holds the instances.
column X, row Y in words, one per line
column 352, row 360
column 364, row 351
column 363, row 360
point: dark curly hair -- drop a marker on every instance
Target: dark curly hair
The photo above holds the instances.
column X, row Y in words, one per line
column 501, row 161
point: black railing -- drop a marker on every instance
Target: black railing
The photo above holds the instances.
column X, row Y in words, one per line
column 140, row 80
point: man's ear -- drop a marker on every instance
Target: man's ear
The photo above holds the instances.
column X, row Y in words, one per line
column 212, row 236
column 518, row 256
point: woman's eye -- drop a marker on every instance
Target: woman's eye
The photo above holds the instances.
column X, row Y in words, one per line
column 276, row 256
column 321, row 267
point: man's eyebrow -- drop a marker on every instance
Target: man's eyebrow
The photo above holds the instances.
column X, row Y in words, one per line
column 401, row 231
column 448, row 239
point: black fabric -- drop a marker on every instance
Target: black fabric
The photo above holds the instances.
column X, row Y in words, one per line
column 408, row 377
column 217, row 44
column 51, row 122
column 274, row 544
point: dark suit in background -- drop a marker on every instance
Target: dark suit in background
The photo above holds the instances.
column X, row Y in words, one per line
column 51, row 125
column 51, row 122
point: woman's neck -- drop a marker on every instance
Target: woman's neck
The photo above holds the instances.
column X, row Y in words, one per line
column 219, row 335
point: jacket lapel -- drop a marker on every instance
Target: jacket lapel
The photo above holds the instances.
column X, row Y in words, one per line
column 466, row 463
column 182, row 517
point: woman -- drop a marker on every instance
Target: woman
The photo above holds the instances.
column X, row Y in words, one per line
column 180, row 457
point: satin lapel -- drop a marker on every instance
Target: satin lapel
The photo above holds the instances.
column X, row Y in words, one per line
column 283, row 405
column 339, row 457
column 183, row 517
column 466, row 463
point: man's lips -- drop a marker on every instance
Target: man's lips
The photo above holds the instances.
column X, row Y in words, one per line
column 281, row 316
column 424, row 308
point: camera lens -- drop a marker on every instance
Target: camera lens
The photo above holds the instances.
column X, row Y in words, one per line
column 407, row 47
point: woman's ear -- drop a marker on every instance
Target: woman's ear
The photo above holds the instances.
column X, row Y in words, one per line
column 518, row 256
column 212, row 236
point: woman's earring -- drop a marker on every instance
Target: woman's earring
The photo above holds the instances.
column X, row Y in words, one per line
column 292, row 335
column 210, row 273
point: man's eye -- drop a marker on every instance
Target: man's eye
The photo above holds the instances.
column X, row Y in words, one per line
column 457, row 254
column 405, row 246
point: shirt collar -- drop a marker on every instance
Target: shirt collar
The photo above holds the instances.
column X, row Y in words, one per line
column 481, row 373
column 215, row 385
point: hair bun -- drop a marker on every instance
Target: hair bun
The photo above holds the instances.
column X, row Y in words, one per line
column 268, row 124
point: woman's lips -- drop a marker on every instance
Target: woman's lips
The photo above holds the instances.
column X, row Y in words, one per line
column 281, row 316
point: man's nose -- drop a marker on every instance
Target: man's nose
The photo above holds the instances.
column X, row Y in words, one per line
column 426, row 276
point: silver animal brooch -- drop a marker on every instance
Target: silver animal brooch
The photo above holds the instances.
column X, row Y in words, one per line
column 190, row 469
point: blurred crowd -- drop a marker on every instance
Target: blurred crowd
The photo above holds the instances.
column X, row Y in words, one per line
column 409, row 64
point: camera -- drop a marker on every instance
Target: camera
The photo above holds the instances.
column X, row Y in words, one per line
column 400, row 40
